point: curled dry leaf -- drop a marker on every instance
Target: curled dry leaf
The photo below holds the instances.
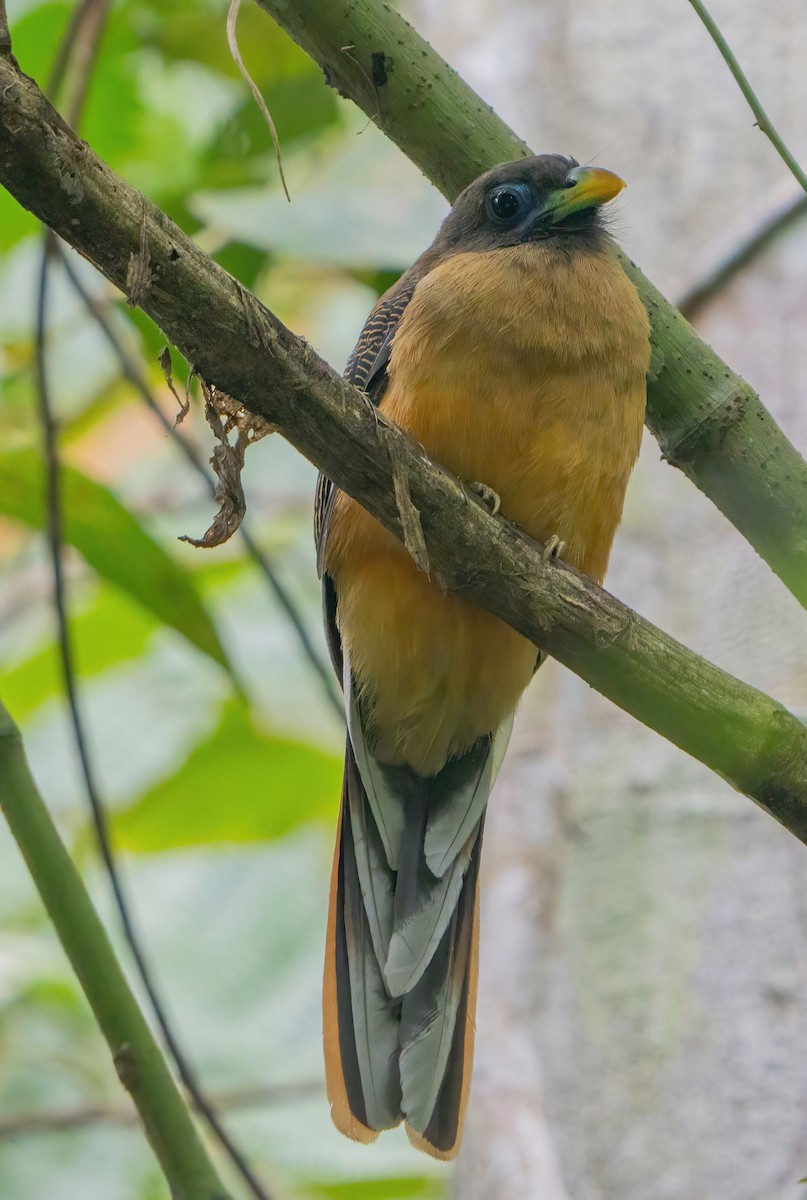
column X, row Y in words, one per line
column 223, row 415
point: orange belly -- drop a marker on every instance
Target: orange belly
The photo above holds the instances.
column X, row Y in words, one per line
column 499, row 376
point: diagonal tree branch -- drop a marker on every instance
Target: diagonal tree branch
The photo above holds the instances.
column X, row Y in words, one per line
column 707, row 420
column 238, row 345
column 137, row 1058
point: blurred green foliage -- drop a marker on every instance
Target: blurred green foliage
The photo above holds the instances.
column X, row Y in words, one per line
column 212, row 796
column 112, row 541
column 223, row 794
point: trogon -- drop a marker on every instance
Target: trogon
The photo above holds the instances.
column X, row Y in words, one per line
column 515, row 350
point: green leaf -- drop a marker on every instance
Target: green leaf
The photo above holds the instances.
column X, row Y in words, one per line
column 200, row 35
column 113, row 542
column 412, row 1187
column 109, row 630
column 238, row 785
column 386, row 223
column 16, row 222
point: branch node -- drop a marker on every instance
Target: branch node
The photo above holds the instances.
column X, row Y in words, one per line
column 381, row 66
column 256, row 319
column 126, row 1066
column 604, row 639
column 728, row 409
column 656, row 363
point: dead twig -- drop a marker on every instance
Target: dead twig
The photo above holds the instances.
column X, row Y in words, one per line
column 232, row 41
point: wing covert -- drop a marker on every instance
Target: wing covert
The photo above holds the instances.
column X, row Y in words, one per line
column 366, row 369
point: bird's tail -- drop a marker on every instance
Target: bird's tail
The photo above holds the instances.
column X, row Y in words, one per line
column 401, row 956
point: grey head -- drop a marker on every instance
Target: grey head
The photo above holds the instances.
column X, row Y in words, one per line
column 548, row 196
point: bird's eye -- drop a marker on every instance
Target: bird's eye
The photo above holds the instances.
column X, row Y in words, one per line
column 508, row 203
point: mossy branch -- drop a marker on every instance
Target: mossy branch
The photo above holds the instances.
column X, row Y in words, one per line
column 238, row 345
column 708, row 421
column 140, row 1065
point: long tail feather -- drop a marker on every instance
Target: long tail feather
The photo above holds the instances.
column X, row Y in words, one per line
column 424, row 904
column 341, row 1066
column 385, row 787
column 376, row 880
column 375, row 1017
column 400, row 977
column 360, row 1021
column 459, row 795
column 437, row 1030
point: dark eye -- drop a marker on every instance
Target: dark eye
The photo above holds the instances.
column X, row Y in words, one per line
column 508, row 203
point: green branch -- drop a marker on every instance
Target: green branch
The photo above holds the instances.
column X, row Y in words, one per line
column 707, row 420
column 240, row 347
column 763, row 120
column 137, row 1058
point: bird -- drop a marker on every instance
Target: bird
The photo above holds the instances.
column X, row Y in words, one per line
column 515, row 350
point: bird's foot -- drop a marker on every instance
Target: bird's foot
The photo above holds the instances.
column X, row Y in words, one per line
column 553, row 548
column 489, row 498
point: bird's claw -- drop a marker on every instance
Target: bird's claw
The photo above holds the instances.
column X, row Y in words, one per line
column 553, row 548
column 489, row 498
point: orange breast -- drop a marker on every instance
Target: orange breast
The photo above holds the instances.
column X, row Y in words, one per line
column 525, row 371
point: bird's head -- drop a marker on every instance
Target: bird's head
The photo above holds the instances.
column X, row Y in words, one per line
column 531, row 200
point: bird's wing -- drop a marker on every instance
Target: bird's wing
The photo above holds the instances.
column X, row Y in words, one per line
column 437, row 1029
column 366, row 369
